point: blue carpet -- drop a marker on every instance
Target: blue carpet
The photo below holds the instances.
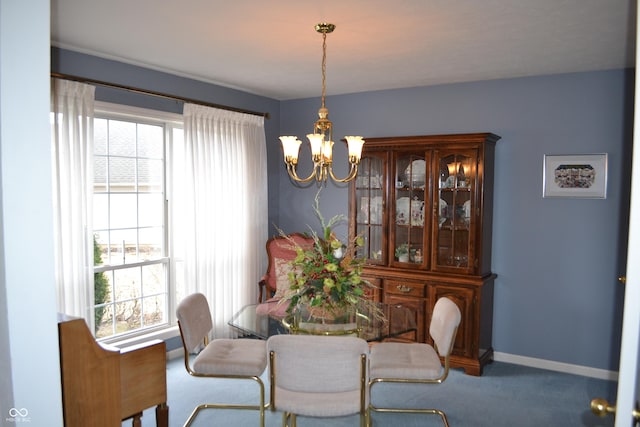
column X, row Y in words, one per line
column 506, row 395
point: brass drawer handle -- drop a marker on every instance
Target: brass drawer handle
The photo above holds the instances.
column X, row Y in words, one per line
column 403, row 288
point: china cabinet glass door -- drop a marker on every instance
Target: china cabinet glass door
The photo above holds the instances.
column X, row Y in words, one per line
column 370, row 202
column 410, row 214
column 453, row 235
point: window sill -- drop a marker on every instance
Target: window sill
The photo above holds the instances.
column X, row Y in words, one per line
column 160, row 334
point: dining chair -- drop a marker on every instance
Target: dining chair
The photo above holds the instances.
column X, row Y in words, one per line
column 414, row 362
column 241, row 359
column 274, row 286
column 317, row 376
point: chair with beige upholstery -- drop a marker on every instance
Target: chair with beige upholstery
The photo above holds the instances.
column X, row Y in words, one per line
column 318, row 376
column 219, row 358
column 414, row 362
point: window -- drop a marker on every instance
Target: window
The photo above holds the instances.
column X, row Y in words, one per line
column 133, row 260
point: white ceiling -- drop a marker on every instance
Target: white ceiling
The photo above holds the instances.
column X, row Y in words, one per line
column 270, row 47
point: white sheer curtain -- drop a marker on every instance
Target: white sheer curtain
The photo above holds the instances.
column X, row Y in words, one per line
column 72, row 105
column 225, row 207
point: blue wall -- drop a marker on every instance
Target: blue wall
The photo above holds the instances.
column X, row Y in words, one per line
column 557, row 260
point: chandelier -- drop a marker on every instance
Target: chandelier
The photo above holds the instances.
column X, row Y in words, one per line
column 321, row 140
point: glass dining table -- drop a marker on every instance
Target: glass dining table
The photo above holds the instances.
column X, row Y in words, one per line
column 399, row 322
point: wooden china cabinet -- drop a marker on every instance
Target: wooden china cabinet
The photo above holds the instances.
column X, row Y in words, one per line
column 423, row 205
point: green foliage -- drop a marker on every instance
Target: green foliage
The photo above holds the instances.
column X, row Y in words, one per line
column 403, row 249
column 327, row 275
column 101, row 285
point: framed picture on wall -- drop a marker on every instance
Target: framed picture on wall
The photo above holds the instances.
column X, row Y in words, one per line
column 575, row 176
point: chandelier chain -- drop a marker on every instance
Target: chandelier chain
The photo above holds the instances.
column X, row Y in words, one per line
column 324, row 66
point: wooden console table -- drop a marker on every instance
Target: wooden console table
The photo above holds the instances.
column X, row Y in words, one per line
column 101, row 385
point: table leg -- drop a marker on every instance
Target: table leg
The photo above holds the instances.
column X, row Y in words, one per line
column 162, row 415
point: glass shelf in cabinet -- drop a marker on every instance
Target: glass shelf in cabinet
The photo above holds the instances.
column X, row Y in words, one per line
column 409, row 226
column 455, row 227
column 455, row 189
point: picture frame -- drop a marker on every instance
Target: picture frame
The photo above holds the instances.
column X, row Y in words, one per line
column 575, row 176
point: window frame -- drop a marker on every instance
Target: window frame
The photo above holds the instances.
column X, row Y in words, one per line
column 170, row 122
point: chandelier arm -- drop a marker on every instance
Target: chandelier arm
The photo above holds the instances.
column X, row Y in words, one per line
column 353, row 171
column 291, row 170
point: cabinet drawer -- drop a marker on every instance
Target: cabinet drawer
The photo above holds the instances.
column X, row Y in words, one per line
column 405, row 287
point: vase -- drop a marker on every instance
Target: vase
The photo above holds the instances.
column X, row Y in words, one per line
column 324, row 321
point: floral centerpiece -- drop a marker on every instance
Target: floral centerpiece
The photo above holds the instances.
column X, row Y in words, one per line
column 326, row 278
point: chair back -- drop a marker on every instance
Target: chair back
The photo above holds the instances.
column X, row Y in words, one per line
column 315, row 363
column 194, row 319
column 444, row 324
column 280, row 251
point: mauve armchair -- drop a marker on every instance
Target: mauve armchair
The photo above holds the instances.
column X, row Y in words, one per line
column 274, row 285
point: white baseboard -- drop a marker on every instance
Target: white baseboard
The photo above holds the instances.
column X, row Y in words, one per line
column 174, row 354
column 567, row 368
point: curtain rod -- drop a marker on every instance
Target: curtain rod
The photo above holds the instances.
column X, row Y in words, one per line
column 156, row 94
